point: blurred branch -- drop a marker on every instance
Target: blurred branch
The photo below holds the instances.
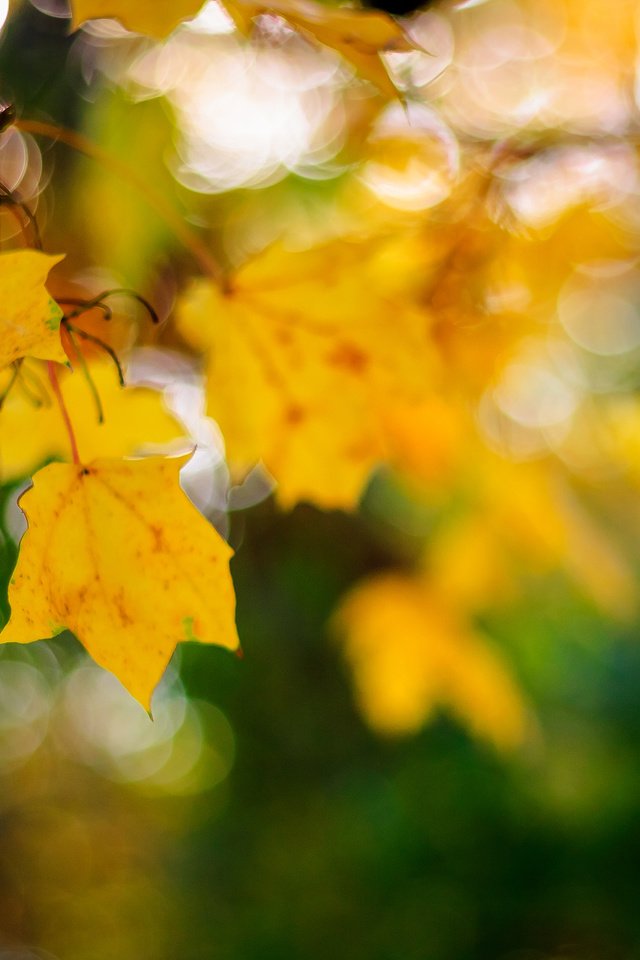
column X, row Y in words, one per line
column 203, row 257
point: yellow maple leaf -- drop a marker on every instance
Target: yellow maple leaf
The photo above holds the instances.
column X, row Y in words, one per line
column 29, row 435
column 303, row 354
column 116, row 553
column 30, row 321
column 410, row 653
column 156, row 18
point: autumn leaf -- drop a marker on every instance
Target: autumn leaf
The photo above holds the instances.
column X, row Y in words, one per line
column 302, row 355
column 116, row 553
column 410, row 653
column 30, row 320
column 134, row 420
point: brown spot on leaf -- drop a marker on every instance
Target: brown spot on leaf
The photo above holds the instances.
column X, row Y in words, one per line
column 294, row 415
column 120, row 604
column 283, row 337
column 158, row 539
column 348, row 357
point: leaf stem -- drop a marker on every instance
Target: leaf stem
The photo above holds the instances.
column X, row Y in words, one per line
column 55, row 386
column 79, row 332
column 77, row 141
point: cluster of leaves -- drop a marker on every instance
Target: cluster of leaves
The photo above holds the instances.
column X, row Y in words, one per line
column 374, row 349
column 115, row 552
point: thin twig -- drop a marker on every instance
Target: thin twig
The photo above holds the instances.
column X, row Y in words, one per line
column 205, row 259
column 55, row 386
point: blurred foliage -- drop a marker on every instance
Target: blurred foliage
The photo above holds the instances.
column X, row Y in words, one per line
column 294, row 803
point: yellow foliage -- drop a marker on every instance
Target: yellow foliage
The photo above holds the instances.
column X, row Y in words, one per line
column 523, row 517
column 610, row 437
column 116, row 553
column 30, row 321
column 135, row 418
column 410, row 653
column 303, row 354
column 325, row 363
column 468, row 563
column 424, row 441
column 358, row 35
column 535, row 515
column 157, row 18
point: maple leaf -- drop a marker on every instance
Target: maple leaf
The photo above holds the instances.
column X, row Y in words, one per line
column 30, row 321
column 358, row 35
column 301, row 358
column 135, row 418
column 411, row 652
column 116, row 553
